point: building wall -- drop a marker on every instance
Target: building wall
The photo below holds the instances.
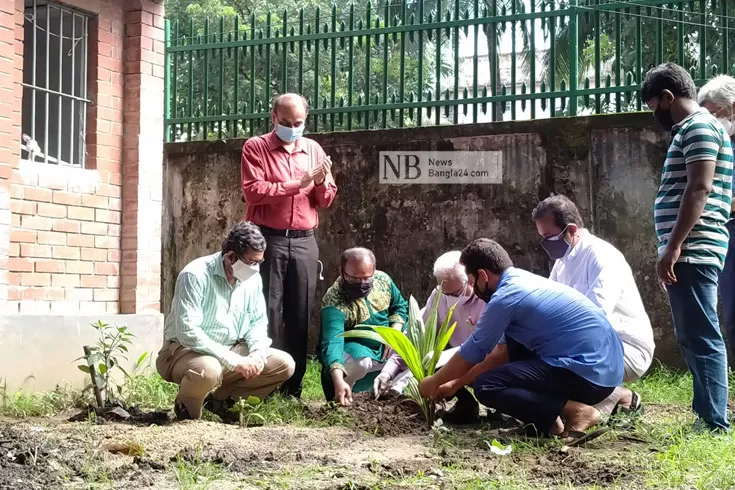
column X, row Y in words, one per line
column 609, row 165
column 84, row 242
column 66, row 241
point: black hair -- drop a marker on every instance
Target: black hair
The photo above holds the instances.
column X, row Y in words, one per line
column 245, row 235
column 671, row 77
column 356, row 253
column 561, row 208
column 484, row 253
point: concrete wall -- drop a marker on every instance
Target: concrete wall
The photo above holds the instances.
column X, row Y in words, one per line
column 609, row 165
column 37, row 353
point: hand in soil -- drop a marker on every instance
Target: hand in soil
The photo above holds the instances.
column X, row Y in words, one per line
column 448, row 389
column 381, row 385
column 342, row 393
column 428, row 388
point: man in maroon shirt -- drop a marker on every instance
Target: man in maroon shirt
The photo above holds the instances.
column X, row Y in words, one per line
column 285, row 179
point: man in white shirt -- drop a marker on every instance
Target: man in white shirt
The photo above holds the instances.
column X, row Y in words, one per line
column 598, row 270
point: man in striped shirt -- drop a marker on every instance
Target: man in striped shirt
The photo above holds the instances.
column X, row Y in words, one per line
column 217, row 331
column 690, row 212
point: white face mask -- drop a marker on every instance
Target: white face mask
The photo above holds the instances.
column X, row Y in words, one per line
column 727, row 124
column 243, row 272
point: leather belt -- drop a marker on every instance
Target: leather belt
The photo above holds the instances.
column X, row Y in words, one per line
column 267, row 231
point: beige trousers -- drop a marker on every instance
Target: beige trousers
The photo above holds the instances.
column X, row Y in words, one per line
column 197, row 374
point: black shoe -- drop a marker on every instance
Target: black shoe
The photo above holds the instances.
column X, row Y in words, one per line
column 222, row 408
column 181, row 412
column 465, row 411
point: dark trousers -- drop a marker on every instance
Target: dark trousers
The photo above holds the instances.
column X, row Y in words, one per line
column 693, row 299
column 289, row 273
column 532, row 391
column 727, row 289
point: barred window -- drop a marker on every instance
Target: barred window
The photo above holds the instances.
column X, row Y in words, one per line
column 54, row 84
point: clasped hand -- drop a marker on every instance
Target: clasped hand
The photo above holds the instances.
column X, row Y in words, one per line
column 250, row 367
column 318, row 174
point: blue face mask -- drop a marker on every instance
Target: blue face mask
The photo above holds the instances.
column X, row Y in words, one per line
column 289, row 135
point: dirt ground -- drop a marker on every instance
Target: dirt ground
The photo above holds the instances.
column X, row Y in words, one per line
column 390, row 448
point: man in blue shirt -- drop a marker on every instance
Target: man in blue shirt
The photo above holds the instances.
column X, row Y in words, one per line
column 564, row 355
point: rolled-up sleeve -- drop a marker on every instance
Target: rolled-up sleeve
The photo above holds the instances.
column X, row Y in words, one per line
column 188, row 315
column 490, row 329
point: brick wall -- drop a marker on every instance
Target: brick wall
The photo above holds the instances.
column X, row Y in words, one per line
column 143, row 156
column 64, row 245
column 11, row 76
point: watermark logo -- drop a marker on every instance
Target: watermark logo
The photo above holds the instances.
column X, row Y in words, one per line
column 441, row 167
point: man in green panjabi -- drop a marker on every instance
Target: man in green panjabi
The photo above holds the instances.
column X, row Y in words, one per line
column 360, row 296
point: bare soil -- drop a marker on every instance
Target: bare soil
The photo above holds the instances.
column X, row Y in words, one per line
column 56, row 453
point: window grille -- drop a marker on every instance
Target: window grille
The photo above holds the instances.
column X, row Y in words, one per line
column 54, row 84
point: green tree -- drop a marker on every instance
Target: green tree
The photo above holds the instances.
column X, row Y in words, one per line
column 329, row 72
column 637, row 38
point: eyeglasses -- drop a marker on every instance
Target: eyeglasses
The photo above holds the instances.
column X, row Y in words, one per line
column 555, row 238
column 251, row 262
column 354, row 279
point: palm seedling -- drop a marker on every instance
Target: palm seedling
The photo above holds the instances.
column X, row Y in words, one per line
column 420, row 347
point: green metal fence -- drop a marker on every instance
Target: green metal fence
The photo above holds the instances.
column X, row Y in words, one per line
column 431, row 62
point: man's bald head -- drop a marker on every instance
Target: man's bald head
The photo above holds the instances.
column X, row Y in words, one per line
column 289, row 111
column 290, row 102
column 358, row 263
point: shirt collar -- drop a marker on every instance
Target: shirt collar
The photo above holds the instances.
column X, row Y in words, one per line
column 506, row 276
column 219, row 265
column 676, row 127
column 574, row 251
column 274, row 143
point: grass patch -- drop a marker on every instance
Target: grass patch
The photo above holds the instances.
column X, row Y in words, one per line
column 696, row 461
column 312, row 387
column 43, row 404
column 197, row 474
column 150, row 392
column 666, row 385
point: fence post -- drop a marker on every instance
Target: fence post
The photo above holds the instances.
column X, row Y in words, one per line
column 167, row 44
column 573, row 56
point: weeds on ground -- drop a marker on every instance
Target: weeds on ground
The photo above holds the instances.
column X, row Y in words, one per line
column 669, row 386
column 197, row 474
column 150, row 392
column 44, row 404
column 312, row 387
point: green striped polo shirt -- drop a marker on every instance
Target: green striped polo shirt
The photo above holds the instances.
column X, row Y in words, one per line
column 698, row 138
column 209, row 315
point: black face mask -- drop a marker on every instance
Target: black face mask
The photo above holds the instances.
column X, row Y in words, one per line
column 663, row 118
column 485, row 295
column 357, row 290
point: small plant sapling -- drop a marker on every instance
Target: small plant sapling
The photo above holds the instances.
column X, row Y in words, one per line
column 102, row 358
column 420, row 347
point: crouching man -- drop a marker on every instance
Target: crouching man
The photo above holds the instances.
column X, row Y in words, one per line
column 217, row 332
column 360, row 296
column 454, row 291
column 564, row 355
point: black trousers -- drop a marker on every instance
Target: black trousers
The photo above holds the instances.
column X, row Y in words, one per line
column 532, row 391
column 289, row 273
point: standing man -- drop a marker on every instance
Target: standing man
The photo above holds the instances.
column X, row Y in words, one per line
column 690, row 212
column 285, row 179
